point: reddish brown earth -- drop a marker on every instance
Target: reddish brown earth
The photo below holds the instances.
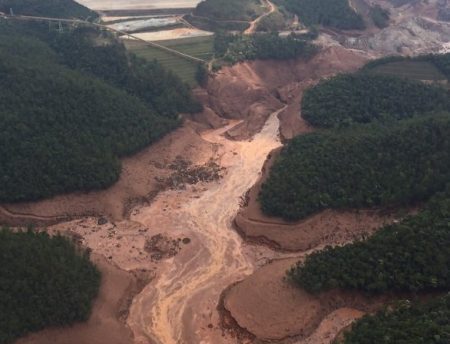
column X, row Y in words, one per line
column 272, row 309
column 107, row 321
column 324, row 228
column 180, row 303
column 138, row 183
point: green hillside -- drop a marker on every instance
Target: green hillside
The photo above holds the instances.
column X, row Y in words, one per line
column 331, row 13
column 69, row 108
column 363, row 98
column 363, row 166
column 43, row 282
column 48, row 8
column 411, row 256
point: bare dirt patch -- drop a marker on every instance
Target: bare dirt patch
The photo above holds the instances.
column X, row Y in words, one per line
column 142, row 177
column 272, row 309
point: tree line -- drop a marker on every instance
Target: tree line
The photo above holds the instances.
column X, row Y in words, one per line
column 65, row 122
column 48, row 8
column 363, row 166
column 44, row 281
column 332, row 13
column 234, row 48
column 365, row 97
column 405, row 322
column 410, row 256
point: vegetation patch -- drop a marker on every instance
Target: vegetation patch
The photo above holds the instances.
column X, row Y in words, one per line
column 363, row 98
column 237, row 48
column 411, row 256
column 70, row 107
column 363, row 166
column 406, row 322
column 48, row 8
column 222, row 10
column 332, row 13
column 44, row 281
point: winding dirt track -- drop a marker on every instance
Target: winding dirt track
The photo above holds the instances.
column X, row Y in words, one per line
column 180, row 306
column 254, row 24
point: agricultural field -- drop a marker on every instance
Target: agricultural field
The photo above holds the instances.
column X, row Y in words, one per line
column 418, row 70
column 200, row 47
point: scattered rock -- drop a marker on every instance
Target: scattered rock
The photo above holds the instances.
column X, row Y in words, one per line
column 102, row 221
column 161, row 247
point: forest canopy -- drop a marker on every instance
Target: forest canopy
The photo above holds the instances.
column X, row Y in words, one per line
column 332, row 13
column 410, row 256
column 426, row 322
column 363, row 98
column 65, row 119
column 44, row 281
column 48, row 8
column 363, row 166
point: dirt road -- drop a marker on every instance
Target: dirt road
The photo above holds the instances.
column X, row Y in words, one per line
column 180, row 305
column 254, row 24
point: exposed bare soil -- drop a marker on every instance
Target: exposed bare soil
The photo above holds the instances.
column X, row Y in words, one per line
column 184, row 235
column 141, row 179
column 270, row 308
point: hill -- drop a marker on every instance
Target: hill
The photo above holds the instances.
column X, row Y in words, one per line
column 363, row 166
column 44, row 281
column 48, row 8
column 70, row 108
column 331, row 13
column 363, row 98
column 410, row 256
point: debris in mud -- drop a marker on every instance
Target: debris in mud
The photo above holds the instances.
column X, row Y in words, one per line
column 186, row 174
column 186, row 241
column 102, row 221
column 162, row 247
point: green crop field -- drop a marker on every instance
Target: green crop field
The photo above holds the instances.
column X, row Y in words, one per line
column 418, row 70
column 200, row 47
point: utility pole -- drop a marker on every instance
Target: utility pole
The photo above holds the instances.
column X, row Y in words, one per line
column 11, row 13
column 60, row 27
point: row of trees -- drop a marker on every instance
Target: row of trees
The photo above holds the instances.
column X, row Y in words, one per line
column 333, row 13
column 65, row 123
column 366, row 97
column 363, row 166
column 413, row 255
column 407, row 323
column 44, row 281
column 48, row 8
column 237, row 48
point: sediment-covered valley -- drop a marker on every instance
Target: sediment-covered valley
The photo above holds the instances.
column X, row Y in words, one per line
column 190, row 257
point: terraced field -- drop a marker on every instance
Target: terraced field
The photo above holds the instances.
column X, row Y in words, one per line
column 418, row 70
column 200, row 47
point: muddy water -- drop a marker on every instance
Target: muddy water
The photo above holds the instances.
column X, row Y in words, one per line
column 180, row 305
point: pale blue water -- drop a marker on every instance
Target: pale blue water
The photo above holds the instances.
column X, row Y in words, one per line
column 137, row 4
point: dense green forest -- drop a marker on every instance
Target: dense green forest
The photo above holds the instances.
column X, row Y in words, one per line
column 367, row 165
column 230, row 15
column 44, row 281
column 333, row 13
column 407, row 323
column 65, row 121
column 48, row 8
column 236, row 10
column 237, row 48
column 410, row 256
column 363, row 98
